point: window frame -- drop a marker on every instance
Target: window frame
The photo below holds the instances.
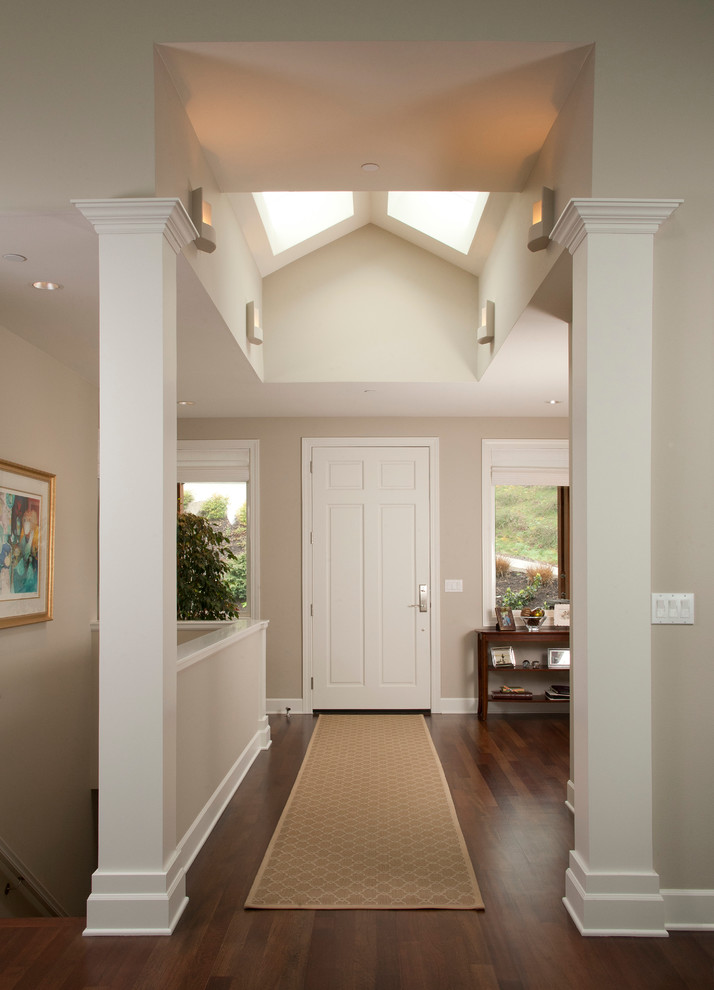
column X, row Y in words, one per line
column 232, row 461
column 513, row 462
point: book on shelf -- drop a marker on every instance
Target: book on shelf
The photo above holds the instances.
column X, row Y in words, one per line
column 510, row 693
column 563, row 689
column 556, row 693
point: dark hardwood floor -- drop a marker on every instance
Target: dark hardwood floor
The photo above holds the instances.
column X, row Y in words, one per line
column 508, row 781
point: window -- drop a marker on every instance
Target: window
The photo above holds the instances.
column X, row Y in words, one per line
column 289, row 218
column 449, row 217
column 219, row 479
column 524, row 486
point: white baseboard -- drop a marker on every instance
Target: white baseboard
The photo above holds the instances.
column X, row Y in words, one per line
column 151, row 904
column 137, row 903
column 458, row 706
column 277, row 706
column 607, row 904
column 192, row 842
column 689, row 910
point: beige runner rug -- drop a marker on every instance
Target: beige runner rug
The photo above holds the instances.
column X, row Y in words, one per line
column 369, row 824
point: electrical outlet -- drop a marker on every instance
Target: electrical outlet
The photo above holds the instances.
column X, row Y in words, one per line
column 671, row 609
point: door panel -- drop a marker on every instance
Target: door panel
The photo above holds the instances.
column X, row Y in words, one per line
column 370, row 553
column 344, row 583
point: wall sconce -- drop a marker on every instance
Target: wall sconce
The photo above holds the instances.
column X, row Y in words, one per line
column 201, row 216
column 486, row 331
column 543, row 219
column 253, row 329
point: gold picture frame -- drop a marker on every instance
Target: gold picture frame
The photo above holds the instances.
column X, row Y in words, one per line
column 27, row 544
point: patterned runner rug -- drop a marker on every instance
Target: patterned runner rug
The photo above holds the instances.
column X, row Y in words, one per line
column 369, row 824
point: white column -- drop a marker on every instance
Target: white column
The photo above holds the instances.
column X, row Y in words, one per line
column 611, row 885
column 139, row 886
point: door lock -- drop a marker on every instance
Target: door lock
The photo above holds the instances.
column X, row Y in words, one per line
column 423, row 603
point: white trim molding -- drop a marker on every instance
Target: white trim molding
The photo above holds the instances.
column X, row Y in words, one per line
column 689, row 910
column 137, row 903
column 512, row 462
column 610, row 216
column 278, row 706
column 140, row 216
column 620, row 903
column 232, row 461
column 192, row 842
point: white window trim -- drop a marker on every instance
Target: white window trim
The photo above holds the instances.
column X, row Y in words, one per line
column 513, row 462
column 231, row 460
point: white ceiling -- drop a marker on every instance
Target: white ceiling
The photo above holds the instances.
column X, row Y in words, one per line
column 308, row 115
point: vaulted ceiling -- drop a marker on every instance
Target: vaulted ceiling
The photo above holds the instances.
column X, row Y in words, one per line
column 273, row 115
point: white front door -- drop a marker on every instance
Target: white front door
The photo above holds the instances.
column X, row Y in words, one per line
column 370, row 545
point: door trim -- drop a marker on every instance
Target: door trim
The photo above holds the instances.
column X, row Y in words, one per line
column 432, row 443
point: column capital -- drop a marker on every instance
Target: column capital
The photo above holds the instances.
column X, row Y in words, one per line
column 610, row 216
column 140, row 216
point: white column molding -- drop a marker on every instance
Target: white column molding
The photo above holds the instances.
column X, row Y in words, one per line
column 139, row 886
column 140, row 216
column 612, row 887
column 610, row 216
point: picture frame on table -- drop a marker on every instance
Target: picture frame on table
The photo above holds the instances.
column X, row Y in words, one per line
column 561, row 614
column 503, row 656
column 27, row 531
column 504, row 618
column 559, row 658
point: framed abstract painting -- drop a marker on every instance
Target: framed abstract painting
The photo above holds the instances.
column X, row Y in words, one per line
column 27, row 529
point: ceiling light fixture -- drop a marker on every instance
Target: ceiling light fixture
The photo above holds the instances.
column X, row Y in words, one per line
column 14, row 257
column 201, row 217
column 49, row 286
column 370, row 167
column 543, row 219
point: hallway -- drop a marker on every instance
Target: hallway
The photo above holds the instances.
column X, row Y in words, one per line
column 507, row 778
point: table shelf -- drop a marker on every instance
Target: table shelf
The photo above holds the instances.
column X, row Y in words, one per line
column 488, row 637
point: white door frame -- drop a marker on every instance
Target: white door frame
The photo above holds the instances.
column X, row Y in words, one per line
column 432, row 443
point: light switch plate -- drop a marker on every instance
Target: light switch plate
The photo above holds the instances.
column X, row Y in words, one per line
column 453, row 584
column 670, row 609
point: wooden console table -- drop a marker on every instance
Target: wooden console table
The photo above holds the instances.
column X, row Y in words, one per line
column 485, row 638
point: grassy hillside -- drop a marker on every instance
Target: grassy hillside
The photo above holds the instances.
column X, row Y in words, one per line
column 527, row 522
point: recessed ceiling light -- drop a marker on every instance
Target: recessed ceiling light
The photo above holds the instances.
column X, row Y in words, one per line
column 49, row 286
column 185, row 402
column 14, row 257
column 370, row 167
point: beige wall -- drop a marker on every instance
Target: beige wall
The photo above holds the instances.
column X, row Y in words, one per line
column 229, row 276
column 46, row 700
column 370, row 307
column 513, row 273
column 281, row 526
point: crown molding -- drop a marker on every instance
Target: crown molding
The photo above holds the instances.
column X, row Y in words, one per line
column 610, row 216
column 140, row 216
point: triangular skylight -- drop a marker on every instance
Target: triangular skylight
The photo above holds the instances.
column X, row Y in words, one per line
column 449, row 217
column 290, row 218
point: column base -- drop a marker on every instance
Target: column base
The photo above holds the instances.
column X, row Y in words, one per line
column 136, row 903
column 627, row 904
